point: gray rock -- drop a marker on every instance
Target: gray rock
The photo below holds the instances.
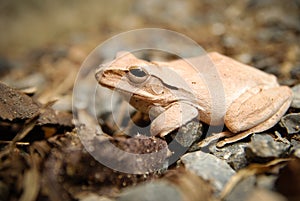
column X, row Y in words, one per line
column 266, row 181
column 189, row 133
column 209, row 167
column 93, row 197
column 291, row 122
column 159, row 191
column 234, row 154
column 243, row 190
column 295, row 148
column 265, row 146
column 296, row 96
column 265, row 195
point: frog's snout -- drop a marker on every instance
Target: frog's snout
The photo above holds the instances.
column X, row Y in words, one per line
column 99, row 74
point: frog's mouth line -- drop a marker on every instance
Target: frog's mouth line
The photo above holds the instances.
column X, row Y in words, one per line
column 127, row 93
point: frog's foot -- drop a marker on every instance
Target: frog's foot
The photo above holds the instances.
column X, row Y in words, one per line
column 173, row 117
column 236, row 137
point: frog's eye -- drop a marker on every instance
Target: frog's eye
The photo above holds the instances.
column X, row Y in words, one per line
column 137, row 74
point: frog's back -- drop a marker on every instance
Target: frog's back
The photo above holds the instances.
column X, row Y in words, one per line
column 237, row 77
column 219, row 77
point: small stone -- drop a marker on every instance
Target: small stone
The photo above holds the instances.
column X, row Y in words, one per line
column 291, row 122
column 5, row 65
column 296, row 96
column 297, row 153
column 265, row 146
column 265, row 195
column 159, row 191
column 244, row 58
column 243, row 190
column 230, row 41
column 189, row 133
column 92, row 197
column 234, row 154
column 209, row 167
column 218, row 29
column 295, row 148
column 295, row 74
column 266, row 181
column 176, row 184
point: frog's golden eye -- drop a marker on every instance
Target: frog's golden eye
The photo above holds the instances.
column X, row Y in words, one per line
column 137, row 74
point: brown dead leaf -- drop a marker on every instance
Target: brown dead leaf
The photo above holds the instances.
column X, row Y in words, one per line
column 16, row 105
column 252, row 169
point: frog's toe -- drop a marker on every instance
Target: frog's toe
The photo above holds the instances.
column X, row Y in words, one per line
column 214, row 137
column 234, row 138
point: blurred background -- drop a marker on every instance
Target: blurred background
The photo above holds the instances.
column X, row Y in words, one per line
column 41, row 38
column 230, row 26
column 38, row 35
column 43, row 44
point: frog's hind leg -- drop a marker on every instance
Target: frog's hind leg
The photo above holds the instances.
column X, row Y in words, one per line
column 257, row 106
column 255, row 111
column 233, row 137
column 259, row 128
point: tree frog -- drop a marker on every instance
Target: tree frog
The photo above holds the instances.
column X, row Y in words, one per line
column 173, row 93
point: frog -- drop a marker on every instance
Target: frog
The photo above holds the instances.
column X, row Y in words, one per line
column 174, row 93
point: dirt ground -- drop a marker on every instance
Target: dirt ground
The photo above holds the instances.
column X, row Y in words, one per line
column 42, row 47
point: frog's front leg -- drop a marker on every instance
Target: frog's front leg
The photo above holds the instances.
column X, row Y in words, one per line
column 176, row 115
column 256, row 111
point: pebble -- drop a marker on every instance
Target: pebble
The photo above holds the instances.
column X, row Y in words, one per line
column 296, row 96
column 295, row 75
column 189, row 133
column 5, row 65
column 159, row 191
column 266, row 181
column 209, row 167
column 234, row 154
column 33, row 80
column 266, row 195
column 291, row 122
column 264, row 146
column 94, row 197
column 243, row 190
column 175, row 184
column 295, row 148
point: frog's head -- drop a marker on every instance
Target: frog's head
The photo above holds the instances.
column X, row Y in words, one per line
column 141, row 80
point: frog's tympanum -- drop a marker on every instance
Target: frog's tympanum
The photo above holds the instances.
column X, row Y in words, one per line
column 173, row 93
